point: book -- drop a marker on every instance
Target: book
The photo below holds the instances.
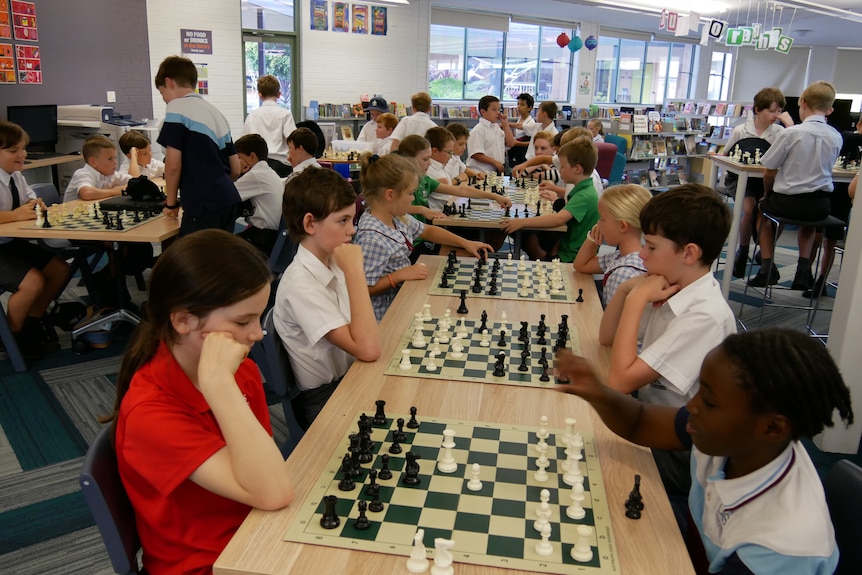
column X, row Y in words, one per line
column 720, row 109
column 654, row 121
column 683, row 177
column 689, row 144
column 659, row 147
column 642, row 149
column 689, row 106
column 640, row 123
column 653, row 178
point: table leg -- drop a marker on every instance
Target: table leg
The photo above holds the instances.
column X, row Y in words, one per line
column 733, row 237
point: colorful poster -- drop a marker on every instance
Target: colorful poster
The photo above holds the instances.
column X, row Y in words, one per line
column 340, row 17
column 5, row 26
column 360, row 19
column 7, row 64
column 29, row 64
column 24, row 21
column 203, row 87
column 319, row 15
column 378, row 21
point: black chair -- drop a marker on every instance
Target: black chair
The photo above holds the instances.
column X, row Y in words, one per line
column 282, row 252
column 843, row 487
column 105, row 495
column 321, row 139
column 274, row 363
column 280, row 168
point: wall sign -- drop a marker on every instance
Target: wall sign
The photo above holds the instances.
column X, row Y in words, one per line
column 196, row 41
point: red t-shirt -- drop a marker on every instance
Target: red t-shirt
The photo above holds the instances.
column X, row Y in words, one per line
column 165, row 431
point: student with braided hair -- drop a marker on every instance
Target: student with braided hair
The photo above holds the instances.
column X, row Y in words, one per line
column 752, row 480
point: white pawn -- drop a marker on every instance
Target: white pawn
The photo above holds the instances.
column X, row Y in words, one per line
column 576, row 510
column 542, row 434
column 509, row 259
column 461, row 330
column 544, row 546
column 447, row 317
column 435, row 347
column 418, row 338
column 405, row 364
column 426, row 312
column 543, row 511
column 443, row 557
column 486, row 339
column 583, row 551
column 541, row 475
column 503, row 316
column 431, row 365
column 418, row 562
column 475, row 484
column 544, row 497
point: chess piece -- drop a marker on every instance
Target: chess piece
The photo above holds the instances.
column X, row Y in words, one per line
column 442, row 557
column 576, row 510
column 462, row 308
column 411, row 469
column 379, row 415
column 405, row 364
column 544, row 546
column 444, row 280
column 499, row 369
column 346, row 483
column 329, row 520
column 583, row 551
column 385, row 473
column 431, row 365
column 426, row 312
column 412, row 423
column 542, row 434
column 580, row 296
column 634, row 503
column 362, row 523
column 376, row 506
column 372, row 482
column 474, row 484
column 502, row 340
column 418, row 562
column 39, row 219
column 447, row 462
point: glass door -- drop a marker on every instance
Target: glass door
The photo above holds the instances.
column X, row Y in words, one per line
column 267, row 53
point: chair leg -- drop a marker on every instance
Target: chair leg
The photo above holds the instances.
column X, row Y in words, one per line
column 139, row 278
column 11, row 345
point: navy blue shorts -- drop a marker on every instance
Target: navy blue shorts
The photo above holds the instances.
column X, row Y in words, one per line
column 17, row 258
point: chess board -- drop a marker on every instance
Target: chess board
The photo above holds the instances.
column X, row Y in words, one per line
column 491, row 527
column 508, row 281
column 477, row 362
column 75, row 220
column 481, row 212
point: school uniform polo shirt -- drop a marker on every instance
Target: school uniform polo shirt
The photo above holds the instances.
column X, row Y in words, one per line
column 25, row 194
column 531, row 149
column 311, row 301
column 88, row 176
column 437, row 171
column 274, row 124
column 486, row 138
column 265, row 189
column 804, row 155
column 583, row 203
column 165, row 431
column 414, row 125
column 677, row 336
column 774, row 520
column 368, row 132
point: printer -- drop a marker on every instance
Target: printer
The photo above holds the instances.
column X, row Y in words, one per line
column 84, row 115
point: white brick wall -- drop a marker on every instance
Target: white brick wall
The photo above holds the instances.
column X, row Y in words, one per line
column 165, row 19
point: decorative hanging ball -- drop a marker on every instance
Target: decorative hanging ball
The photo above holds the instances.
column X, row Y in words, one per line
column 563, row 40
column 591, row 43
column 576, row 44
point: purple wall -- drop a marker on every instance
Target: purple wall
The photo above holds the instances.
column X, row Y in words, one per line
column 89, row 47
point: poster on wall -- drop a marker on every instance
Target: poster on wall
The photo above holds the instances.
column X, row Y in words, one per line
column 360, row 19
column 5, row 26
column 203, row 87
column 24, row 21
column 378, row 21
column 319, row 15
column 29, row 64
column 7, row 64
column 196, row 41
column 340, row 17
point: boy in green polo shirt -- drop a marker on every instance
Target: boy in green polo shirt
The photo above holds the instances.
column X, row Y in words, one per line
column 581, row 212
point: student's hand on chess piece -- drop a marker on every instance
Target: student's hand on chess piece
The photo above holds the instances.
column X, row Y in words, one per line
column 503, row 201
column 518, row 170
column 475, row 247
column 583, row 381
column 415, row 272
column 513, row 225
column 479, row 176
column 654, row 289
column 349, row 258
column 27, row 211
column 221, row 355
column 548, row 195
column 551, row 187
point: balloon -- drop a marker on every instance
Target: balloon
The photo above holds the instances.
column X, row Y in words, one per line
column 591, row 43
column 576, row 44
column 563, row 40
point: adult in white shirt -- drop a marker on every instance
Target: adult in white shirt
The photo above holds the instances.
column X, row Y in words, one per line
column 418, row 123
column 270, row 120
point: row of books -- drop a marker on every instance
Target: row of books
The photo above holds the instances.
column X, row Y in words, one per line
column 728, row 109
column 352, row 111
column 653, row 178
column 655, row 147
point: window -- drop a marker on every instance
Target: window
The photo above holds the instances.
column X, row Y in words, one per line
column 268, row 15
column 269, row 45
column 642, row 72
column 719, row 76
column 468, row 63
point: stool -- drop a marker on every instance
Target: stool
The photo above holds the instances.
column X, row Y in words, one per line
column 778, row 221
column 839, row 251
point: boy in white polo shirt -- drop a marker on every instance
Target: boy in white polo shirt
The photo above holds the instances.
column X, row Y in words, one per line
column 301, row 149
column 272, row 122
column 323, row 311
column 416, row 123
column 264, row 188
column 756, row 498
column 489, row 138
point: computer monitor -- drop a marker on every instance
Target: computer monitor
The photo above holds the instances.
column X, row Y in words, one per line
column 40, row 123
column 840, row 118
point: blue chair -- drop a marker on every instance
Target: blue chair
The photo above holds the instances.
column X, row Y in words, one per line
column 282, row 252
column 620, row 142
column 274, row 363
column 843, row 486
column 105, row 495
column 618, row 166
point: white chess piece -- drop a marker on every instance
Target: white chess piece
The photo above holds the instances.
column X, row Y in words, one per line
column 418, row 562
column 542, row 434
column 39, row 218
column 426, row 312
column 475, row 484
column 447, row 462
column 405, row 364
column 573, row 473
column 544, row 546
column 435, row 347
column 543, row 512
column 443, row 557
column 541, row 475
column 503, row 316
column 486, row 339
column 418, row 338
column 509, row 259
column 570, row 430
column 583, row 551
column 457, row 348
column 544, row 496
column 431, row 365
column 576, row 510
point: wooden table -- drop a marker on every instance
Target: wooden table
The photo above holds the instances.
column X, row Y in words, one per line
column 652, row 544
column 744, row 172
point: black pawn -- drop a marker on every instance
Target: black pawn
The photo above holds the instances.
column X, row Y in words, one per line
column 462, row 309
column 516, row 213
column 412, row 423
column 137, row 217
column 507, row 213
column 120, row 222
column 444, row 280
column 580, row 296
column 45, row 222
column 376, row 506
column 544, row 377
column 346, row 483
column 362, row 523
column 395, row 448
column 469, row 204
column 502, row 341
column 399, row 435
column 380, row 414
column 372, row 478
column 523, row 366
column 329, row 520
column 384, row 473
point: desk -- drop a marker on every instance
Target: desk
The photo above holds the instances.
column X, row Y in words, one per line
column 744, row 172
column 651, row 544
column 35, row 164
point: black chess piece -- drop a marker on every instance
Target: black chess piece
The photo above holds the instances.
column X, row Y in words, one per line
column 507, row 213
column 376, row 506
column 526, row 212
column 372, row 482
column 544, row 377
column 523, row 366
column 499, row 367
column 385, row 473
column 120, row 222
column 462, row 309
column 469, row 204
column 137, row 217
column 542, row 324
column 412, row 423
column 462, row 212
column 380, row 414
column 516, row 213
column 523, row 336
column 365, row 455
column 544, row 356
column 484, row 319
column 477, row 285
column 411, row 469
column 502, row 341
column 346, row 483
column 493, row 288
column 45, row 222
column 362, row 522
column 395, row 448
column 444, row 280
column 580, row 296
column 329, row 520
column 399, row 435
column 105, row 218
